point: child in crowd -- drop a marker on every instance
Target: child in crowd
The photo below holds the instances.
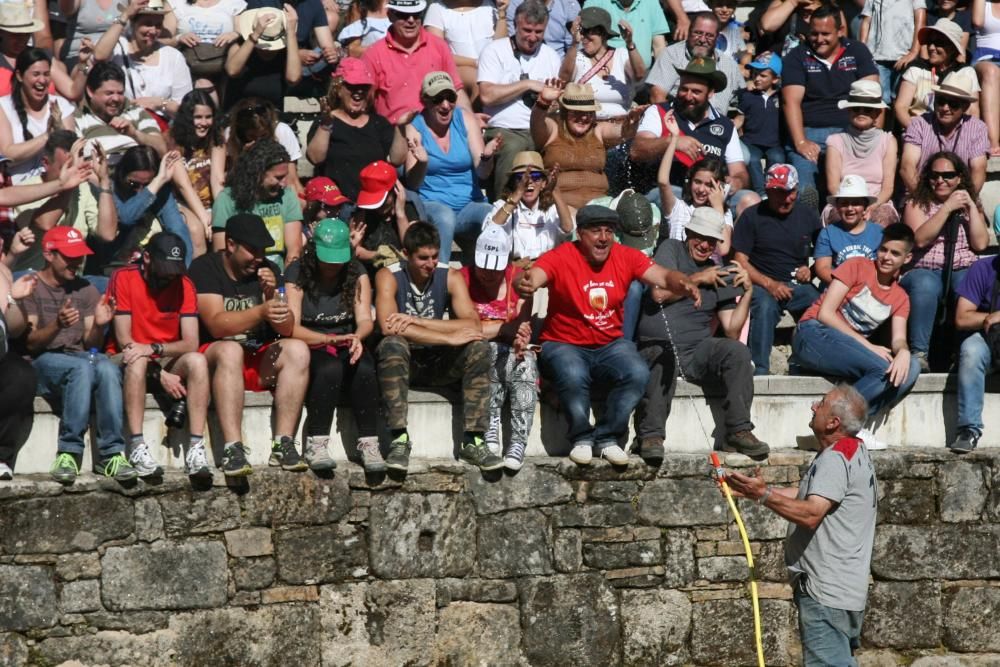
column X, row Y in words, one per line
column 730, row 40
column 851, row 235
column 760, row 117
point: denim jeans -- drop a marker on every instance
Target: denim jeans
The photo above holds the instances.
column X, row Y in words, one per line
column 973, row 364
column 464, row 223
column 69, row 379
column 573, row 369
column 765, row 313
column 773, row 155
column 888, row 78
column 807, row 169
column 924, row 288
column 828, row 635
column 825, row 350
column 631, row 308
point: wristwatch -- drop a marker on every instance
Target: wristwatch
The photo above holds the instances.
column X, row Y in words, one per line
column 157, row 349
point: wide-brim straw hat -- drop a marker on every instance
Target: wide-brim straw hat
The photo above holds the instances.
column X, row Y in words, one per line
column 527, row 161
column 864, row 93
column 951, row 30
column 273, row 38
column 959, row 84
column 18, row 17
column 579, row 97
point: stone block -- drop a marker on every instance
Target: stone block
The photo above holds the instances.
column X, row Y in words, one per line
column 378, row 623
column 907, row 501
column 244, row 599
column 722, row 632
column 199, row 512
column 969, row 614
column 635, row 577
column 497, row 632
column 611, row 514
column 963, row 490
column 615, row 555
column 148, row 520
column 514, row 544
column 320, row 554
column 569, row 619
column 27, row 598
column 723, row 568
column 704, row 549
column 71, row 567
column 621, row 534
column 769, row 562
column 80, row 596
column 614, row 491
column 135, row 622
column 903, row 615
column 474, row 590
column 532, row 487
column 174, row 575
column 952, row 660
column 13, row 650
column 760, row 523
column 253, row 573
column 678, row 557
column 249, row 542
column 682, row 502
column 289, row 594
column 567, row 551
column 413, row 535
column 655, row 626
column 949, row 551
column 279, row 500
column 433, row 482
column 72, row 523
column 109, row 647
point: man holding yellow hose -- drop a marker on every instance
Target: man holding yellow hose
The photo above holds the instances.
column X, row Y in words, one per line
column 829, row 545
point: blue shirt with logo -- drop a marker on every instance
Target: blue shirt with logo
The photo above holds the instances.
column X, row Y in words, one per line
column 761, row 117
column 840, row 244
column 826, row 84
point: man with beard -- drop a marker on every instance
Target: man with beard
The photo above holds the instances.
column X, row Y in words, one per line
column 772, row 242
column 704, row 131
column 814, row 77
column 107, row 117
column 242, row 315
column 156, row 330
column 700, row 43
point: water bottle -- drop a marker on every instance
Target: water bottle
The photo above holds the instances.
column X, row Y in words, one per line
column 92, row 356
column 280, row 296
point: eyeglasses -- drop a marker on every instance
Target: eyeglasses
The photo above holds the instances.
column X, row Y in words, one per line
column 394, row 15
column 949, row 102
column 448, row 95
column 943, row 175
column 703, row 33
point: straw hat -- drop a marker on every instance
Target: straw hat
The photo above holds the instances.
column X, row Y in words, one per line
column 960, row 85
column 273, row 38
column 18, row 17
column 951, row 31
column 863, row 93
column 527, row 161
column 578, row 97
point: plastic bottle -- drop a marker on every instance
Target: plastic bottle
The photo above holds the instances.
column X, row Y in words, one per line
column 280, row 296
column 92, row 356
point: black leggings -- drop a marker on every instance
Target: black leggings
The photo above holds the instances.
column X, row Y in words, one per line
column 17, row 402
column 331, row 380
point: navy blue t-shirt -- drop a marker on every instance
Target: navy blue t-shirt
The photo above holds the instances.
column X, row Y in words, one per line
column 776, row 246
column 824, row 86
column 977, row 285
column 761, row 119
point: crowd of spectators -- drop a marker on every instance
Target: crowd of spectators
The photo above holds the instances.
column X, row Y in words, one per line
column 637, row 192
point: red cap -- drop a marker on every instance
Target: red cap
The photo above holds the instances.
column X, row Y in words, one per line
column 67, row 241
column 355, row 72
column 323, row 189
column 377, row 179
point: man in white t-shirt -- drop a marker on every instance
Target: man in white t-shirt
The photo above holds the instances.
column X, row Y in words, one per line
column 511, row 74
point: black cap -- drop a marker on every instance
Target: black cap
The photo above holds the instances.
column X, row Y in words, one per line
column 167, row 254
column 592, row 214
column 250, row 230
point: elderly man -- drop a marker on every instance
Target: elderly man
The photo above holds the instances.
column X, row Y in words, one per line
column 675, row 336
column 511, row 74
column 832, row 515
column 948, row 128
column 582, row 341
column 700, row 43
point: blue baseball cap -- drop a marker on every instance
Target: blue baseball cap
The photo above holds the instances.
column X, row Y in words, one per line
column 771, row 62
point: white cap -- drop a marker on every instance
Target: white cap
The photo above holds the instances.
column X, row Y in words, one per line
column 493, row 248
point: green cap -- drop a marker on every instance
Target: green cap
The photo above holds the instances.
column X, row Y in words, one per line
column 333, row 241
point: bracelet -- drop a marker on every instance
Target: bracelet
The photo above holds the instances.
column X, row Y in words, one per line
column 119, row 20
column 763, row 499
column 253, row 39
column 104, row 191
column 630, row 47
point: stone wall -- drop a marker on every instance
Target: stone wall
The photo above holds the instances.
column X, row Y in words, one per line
column 557, row 565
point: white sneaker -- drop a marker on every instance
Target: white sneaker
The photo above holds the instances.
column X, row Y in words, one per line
column 495, row 447
column 871, row 442
column 582, row 454
column 143, row 462
column 196, row 463
column 5, row 472
column 615, row 455
column 515, row 456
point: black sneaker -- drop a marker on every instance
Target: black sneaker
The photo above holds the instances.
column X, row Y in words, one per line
column 118, row 468
column 476, row 452
column 746, row 443
column 284, row 454
column 398, row 457
column 234, row 461
column 965, row 442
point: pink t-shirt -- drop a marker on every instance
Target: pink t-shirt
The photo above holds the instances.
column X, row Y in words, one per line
column 869, row 168
column 399, row 74
column 868, row 304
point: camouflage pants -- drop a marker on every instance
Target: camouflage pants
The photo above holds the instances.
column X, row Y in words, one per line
column 399, row 365
column 517, row 378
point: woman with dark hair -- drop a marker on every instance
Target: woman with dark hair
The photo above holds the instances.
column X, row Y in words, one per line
column 946, row 219
column 330, row 297
column 252, row 119
column 30, row 114
column 17, row 27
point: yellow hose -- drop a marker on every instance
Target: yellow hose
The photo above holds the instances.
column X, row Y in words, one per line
column 720, row 478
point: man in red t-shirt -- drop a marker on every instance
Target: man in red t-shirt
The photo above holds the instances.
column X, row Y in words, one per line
column 582, row 339
column 156, row 330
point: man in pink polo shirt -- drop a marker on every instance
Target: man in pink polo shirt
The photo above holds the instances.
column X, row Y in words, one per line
column 400, row 61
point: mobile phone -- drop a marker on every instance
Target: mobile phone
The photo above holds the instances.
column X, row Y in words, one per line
column 88, row 150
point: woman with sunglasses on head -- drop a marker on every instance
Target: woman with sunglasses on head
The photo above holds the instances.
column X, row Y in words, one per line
column 532, row 210
column 446, row 161
column 253, row 119
column 575, row 140
column 865, row 150
column 943, row 211
column 350, row 132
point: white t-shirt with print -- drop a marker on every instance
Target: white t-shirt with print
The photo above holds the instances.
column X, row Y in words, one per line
column 468, row 32
column 207, row 22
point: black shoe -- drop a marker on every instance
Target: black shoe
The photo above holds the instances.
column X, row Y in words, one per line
column 284, row 454
column 965, row 442
column 398, row 457
column 475, row 452
column 234, row 461
column 746, row 443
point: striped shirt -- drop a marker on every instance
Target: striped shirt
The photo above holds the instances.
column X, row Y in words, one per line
column 932, row 257
column 114, row 143
column 968, row 140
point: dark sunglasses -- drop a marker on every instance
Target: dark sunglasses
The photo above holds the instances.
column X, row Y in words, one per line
column 255, row 110
column 865, row 111
column 943, row 175
column 361, row 88
column 939, row 42
column 533, row 175
column 394, row 15
column 949, row 102
column 448, row 95
column 592, row 30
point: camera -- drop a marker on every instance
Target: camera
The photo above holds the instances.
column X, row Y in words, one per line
column 529, row 98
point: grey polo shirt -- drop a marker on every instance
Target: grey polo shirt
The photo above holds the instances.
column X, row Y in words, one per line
column 663, row 75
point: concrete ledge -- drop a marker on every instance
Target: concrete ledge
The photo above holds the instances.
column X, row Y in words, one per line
column 781, row 412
